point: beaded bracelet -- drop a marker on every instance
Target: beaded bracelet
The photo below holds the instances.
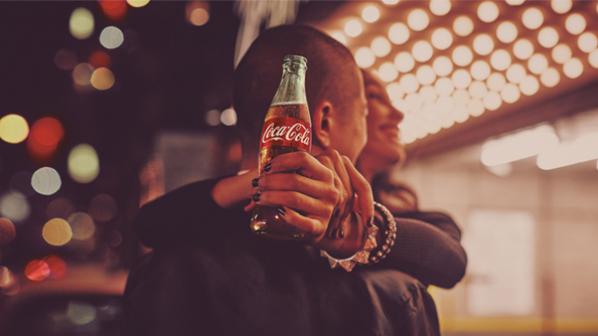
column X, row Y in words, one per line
column 389, row 234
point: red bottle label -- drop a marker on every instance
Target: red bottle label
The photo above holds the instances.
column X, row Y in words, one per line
column 286, row 131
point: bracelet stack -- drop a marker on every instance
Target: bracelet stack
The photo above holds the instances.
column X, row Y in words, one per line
column 389, row 232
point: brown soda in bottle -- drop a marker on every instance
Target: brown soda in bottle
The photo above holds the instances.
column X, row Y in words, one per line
column 287, row 128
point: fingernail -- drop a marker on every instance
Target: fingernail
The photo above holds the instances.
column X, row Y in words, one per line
column 256, row 197
column 341, row 233
column 281, row 211
column 255, row 182
column 268, row 166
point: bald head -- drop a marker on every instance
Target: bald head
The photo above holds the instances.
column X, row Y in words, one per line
column 332, row 75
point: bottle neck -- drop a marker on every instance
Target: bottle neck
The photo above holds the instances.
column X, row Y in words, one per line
column 292, row 87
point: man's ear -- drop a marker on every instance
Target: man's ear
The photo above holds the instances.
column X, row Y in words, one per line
column 322, row 122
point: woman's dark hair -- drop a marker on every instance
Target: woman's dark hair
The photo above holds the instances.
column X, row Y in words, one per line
column 382, row 183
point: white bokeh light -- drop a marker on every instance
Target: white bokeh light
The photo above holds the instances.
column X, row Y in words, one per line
column 442, row 38
column 500, row 59
column 487, row 11
column 529, row 85
column 418, row 20
column 587, row 42
column 516, row 73
column 506, row 32
column 523, row 49
column 365, row 57
column 537, row 64
column 380, row 46
column 387, row 72
column 46, row 181
column 550, row 77
column 111, row 37
column 462, row 55
column 442, row 66
column 575, row 24
column 532, row 18
column 483, row 44
column 480, row 70
column 463, row 26
column 422, row 51
column 398, row 33
column 548, row 37
column 561, row 53
column 573, row 68
column 404, row 62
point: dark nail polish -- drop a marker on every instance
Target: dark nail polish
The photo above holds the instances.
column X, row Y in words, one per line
column 256, row 197
column 341, row 233
column 255, row 182
column 268, row 166
column 281, row 211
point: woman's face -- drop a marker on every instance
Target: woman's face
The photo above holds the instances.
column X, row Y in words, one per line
column 383, row 126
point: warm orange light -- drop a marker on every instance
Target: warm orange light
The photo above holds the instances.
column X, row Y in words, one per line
column 114, row 10
column 440, row 7
column 99, row 58
column 57, row 232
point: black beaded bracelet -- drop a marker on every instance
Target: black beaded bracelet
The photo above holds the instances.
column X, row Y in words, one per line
column 389, row 232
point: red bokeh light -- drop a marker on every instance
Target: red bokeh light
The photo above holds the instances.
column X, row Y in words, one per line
column 57, row 266
column 46, row 133
column 37, row 270
column 99, row 59
column 114, row 9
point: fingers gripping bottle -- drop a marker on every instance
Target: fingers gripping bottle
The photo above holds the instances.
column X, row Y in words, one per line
column 287, row 128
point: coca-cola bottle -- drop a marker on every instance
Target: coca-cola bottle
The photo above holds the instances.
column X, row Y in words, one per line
column 287, row 128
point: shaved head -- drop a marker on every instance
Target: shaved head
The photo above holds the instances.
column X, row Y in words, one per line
column 332, row 75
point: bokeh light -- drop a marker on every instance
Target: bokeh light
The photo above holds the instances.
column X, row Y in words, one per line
column 529, row 85
column 99, row 58
column 514, row 2
column 422, row 51
column 8, row 232
column 532, row 18
column 37, row 270
column 409, row 83
column 103, row 208
column 487, row 11
column 394, row 91
column 496, row 81
column 404, row 62
column 548, row 37
column 444, row 87
column 516, row 73
column 561, row 6
column 462, row 55
column 364, row 57
column 593, row 59
column 475, row 107
column 114, row 10
column 463, row 26
column 398, row 33
column 483, row 44
column 198, row 13
column 506, row 32
column 81, row 313
column 480, row 70
column 442, row 66
column 442, row 38
column 523, row 49
column 59, row 207
column 353, row 28
column 575, row 24
column 510, row 93
column 587, row 42
column 537, row 64
column 380, row 46
column 550, row 77
column 14, row 128
column 387, row 72
column 339, row 36
column 111, row 37
column 390, row 2
column 57, row 266
column 440, row 7
column 212, row 117
column 228, row 117
column 102, row 79
column 82, row 225
column 561, row 53
column 82, row 74
column 492, row 101
column 425, row 75
column 477, row 89
column 138, row 3
column 46, row 181
column 83, row 163
column 418, row 20
column 461, row 79
column 81, row 23
column 57, row 232
column 573, row 68
column 370, row 14
column 14, row 206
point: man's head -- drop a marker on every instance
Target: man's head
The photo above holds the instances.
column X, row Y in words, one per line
column 333, row 86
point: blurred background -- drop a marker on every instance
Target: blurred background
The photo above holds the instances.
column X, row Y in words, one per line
column 107, row 105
